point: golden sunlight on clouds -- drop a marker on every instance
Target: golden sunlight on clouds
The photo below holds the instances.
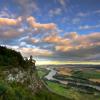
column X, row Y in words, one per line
column 10, row 22
column 74, row 35
column 11, row 33
column 34, row 51
column 32, row 22
column 33, row 40
column 79, row 42
column 56, row 39
column 64, row 48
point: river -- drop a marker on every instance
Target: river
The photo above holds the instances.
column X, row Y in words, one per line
column 53, row 73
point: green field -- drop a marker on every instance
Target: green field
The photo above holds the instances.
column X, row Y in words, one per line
column 71, row 93
column 42, row 72
column 87, row 74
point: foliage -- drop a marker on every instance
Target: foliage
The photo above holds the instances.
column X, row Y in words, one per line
column 11, row 58
column 14, row 90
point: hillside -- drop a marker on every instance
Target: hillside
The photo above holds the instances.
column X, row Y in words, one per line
column 18, row 79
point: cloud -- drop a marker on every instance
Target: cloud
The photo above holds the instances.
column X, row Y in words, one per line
column 76, row 20
column 32, row 22
column 10, row 33
column 74, row 46
column 5, row 13
column 83, row 14
column 63, row 3
column 63, row 48
column 10, row 22
column 27, row 6
column 35, row 52
column 56, row 39
column 71, row 35
column 54, row 12
column 81, row 41
column 31, row 40
column 27, row 51
column 89, row 27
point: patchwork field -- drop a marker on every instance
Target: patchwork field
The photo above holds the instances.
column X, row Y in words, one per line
column 72, row 91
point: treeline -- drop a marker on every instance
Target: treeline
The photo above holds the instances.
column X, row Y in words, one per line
column 11, row 58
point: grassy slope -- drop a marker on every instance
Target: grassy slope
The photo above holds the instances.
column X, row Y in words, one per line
column 19, row 92
column 15, row 90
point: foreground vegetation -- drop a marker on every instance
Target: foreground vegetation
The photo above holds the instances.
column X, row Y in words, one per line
column 15, row 91
column 18, row 79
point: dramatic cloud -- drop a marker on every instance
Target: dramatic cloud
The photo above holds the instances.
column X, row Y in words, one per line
column 10, row 33
column 35, row 52
column 10, row 22
column 81, row 48
column 80, row 42
column 72, row 35
column 26, row 51
column 64, row 48
column 31, row 40
column 56, row 39
column 32, row 22
column 52, row 29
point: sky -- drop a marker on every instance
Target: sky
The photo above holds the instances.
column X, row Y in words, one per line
column 52, row 30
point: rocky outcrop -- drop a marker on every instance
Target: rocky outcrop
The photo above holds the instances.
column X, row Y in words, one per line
column 27, row 77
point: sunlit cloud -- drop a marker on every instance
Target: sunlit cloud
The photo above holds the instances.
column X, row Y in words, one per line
column 52, row 29
column 34, row 51
column 10, row 33
column 56, row 39
column 10, row 22
column 32, row 22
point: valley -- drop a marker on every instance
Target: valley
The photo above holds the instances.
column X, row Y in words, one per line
column 73, row 82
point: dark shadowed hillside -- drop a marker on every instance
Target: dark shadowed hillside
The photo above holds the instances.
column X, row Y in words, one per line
column 18, row 81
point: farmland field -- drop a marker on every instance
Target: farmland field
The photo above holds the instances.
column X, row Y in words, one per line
column 71, row 91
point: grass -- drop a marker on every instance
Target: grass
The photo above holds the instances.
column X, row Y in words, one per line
column 57, row 88
column 42, row 72
column 87, row 74
column 71, row 93
column 15, row 91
